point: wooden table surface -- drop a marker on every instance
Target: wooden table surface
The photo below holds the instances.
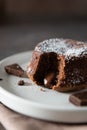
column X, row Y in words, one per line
column 18, row 38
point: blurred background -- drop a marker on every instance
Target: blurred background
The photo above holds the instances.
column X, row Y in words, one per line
column 24, row 23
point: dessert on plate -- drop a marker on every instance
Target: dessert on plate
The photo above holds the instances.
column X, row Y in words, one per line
column 59, row 64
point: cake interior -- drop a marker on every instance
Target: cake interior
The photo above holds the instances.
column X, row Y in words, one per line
column 47, row 69
column 55, row 71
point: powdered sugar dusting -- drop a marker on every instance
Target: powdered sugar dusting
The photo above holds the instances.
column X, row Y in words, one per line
column 76, row 51
column 63, row 47
column 52, row 45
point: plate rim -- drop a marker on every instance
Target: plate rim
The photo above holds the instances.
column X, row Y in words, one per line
column 5, row 92
column 33, row 103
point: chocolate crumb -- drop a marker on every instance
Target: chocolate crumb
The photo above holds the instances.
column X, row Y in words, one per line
column 41, row 89
column 21, row 82
column 1, row 79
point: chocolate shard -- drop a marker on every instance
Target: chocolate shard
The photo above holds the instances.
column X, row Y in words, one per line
column 79, row 98
column 21, row 82
column 15, row 69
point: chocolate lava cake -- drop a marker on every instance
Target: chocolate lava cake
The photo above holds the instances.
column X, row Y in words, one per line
column 59, row 64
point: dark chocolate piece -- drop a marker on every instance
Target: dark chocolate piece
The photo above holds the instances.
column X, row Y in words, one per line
column 15, row 69
column 79, row 99
column 21, row 82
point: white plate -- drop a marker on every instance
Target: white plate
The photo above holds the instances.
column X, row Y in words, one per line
column 31, row 101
